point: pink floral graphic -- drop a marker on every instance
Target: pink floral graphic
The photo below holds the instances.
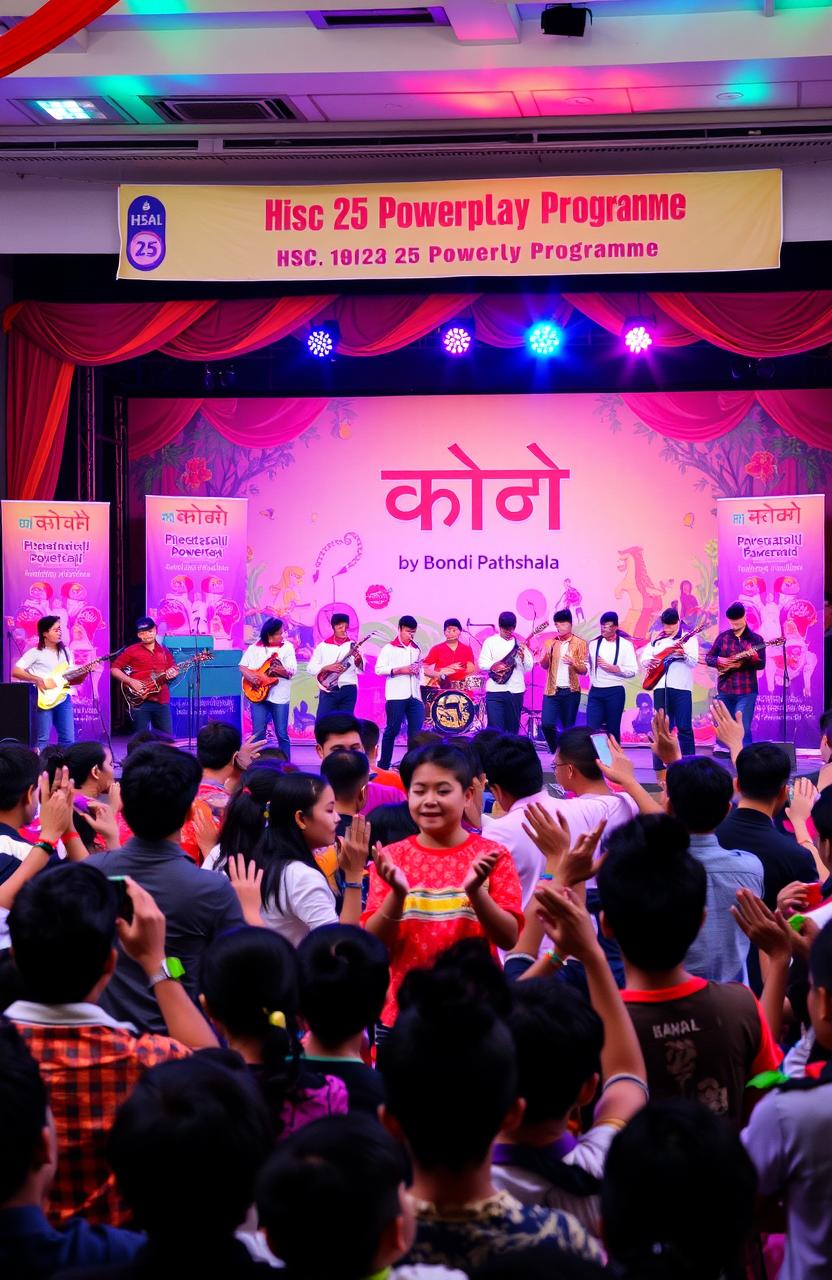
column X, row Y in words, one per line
column 762, row 465
column 196, row 473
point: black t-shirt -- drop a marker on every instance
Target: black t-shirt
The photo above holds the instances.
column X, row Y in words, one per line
column 783, row 859
column 364, row 1086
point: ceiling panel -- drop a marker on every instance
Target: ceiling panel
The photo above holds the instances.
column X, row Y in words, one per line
column 409, row 106
column 581, row 102
column 733, row 96
column 816, row 93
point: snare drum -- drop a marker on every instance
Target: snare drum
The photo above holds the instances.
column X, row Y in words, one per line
column 453, row 712
column 472, row 685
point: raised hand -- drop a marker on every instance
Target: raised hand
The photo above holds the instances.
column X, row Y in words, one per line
column 205, row 828
column 102, row 819
column 622, row 770
column 390, row 873
column 354, row 848
column 578, row 865
column 567, row 922
column 663, row 739
column 765, row 929
column 247, row 881
column 803, row 800
column 550, row 832
column 729, row 729
column 249, row 751
column 479, row 871
column 55, row 804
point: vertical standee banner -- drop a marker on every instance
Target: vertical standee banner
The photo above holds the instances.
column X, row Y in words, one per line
column 56, row 561
column 196, row 587
column 771, row 559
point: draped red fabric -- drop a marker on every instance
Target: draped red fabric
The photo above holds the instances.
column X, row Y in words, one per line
column 107, row 332
column 806, row 414
column 152, row 424
column 502, row 319
column 406, row 320
column 690, row 415
column 38, row 385
column 53, row 23
column 754, row 324
column 251, row 422
column 233, row 328
column 612, row 310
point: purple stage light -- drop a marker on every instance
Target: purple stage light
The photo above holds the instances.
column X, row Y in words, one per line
column 637, row 338
column 320, row 343
column 456, row 340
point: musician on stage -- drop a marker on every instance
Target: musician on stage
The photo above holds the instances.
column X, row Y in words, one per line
column 331, row 655
column 738, row 653
column 143, row 661
column 451, row 661
column 674, row 692
column 274, row 709
column 504, row 702
column 612, row 660
column 400, row 662
column 564, row 659
column 35, row 666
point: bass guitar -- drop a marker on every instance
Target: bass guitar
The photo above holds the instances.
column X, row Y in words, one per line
column 155, row 682
column 270, row 672
column 670, row 653
column 57, row 684
column 327, row 681
column 501, row 672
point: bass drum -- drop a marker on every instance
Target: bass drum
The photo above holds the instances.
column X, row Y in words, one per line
column 453, row 712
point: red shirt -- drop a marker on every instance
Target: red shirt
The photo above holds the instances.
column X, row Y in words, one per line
column 442, row 655
column 142, row 663
column 437, row 911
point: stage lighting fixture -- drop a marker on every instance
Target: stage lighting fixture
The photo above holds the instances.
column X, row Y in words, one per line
column 637, row 336
column 543, row 339
column 457, row 339
column 320, row 343
column 564, row 20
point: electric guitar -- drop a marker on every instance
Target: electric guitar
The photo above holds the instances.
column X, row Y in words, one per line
column 64, row 675
column 501, row 672
column 737, row 658
column 672, row 652
column 270, row 672
column 155, row 682
column 327, row 681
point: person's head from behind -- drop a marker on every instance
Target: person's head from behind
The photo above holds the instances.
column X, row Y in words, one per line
column 563, row 623
column 348, row 773
column 735, row 613
column 407, row 628
column 678, row 1194
column 158, row 788
column 390, row 823
column 558, row 1038
column 575, row 761
column 360, row 1173
column 189, row 1126
column 825, row 726
column 440, row 786
column 146, row 737
column 763, row 771
column 513, row 770
column 271, row 633
column 820, row 990
column 450, row 1073
column 63, row 931
column 344, row 973
column 507, row 621
column 18, row 783
column 29, row 1150
column 699, row 793
column 484, row 742
column 370, row 734
column 247, row 812
column 217, row 744
column 652, row 892
column 336, row 732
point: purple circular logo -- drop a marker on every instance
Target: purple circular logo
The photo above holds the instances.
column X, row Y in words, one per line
column 146, row 220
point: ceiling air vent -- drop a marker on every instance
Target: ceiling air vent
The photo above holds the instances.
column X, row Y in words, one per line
column 421, row 17
column 223, row 110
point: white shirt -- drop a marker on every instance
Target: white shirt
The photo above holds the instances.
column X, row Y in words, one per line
column 391, row 657
column 679, row 674
column 627, row 661
column 306, row 902
column 562, row 673
column 508, row 830
column 583, row 813
column 256, row 654
column 325, row 654
column 42, row 662
column 590, row 1154
column 494, row 650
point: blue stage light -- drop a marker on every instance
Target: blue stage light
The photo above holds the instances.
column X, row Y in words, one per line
column 320, row 343
column 543, row 339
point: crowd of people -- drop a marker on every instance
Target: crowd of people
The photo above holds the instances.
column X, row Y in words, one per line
column 441, row 1020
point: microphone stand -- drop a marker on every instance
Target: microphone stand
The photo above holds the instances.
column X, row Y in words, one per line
column 530, row 734
column 786, row 683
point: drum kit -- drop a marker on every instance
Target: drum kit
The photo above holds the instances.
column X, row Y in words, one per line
column 459, row 709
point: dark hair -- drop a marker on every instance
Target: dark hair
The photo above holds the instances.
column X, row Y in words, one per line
column 63, row 929
column 46, row 624
column 407, row 620
column 609, row 616
column 18, row 773
column 269, row 628
column 346, row 772
column 484, row 742
column 390, row 823
column 282, row 841
column 652, row 891
column 449, row 1070
column 158, row 786
column 245, row 816
column 80, row 759
column 452, row 622
column 217, row 743
column 338, row 618
column 735, row 611
column 187, row 1126
column 334, row 725
column 575, row 747
column 558, row 1038
column 444, row 755
column 678, row 1193
column 670, row 616
column 563, row 615
column 822, row 814
column 50, row 760
column 344, row 973
column 514, row 765
column 699, row 791
column 507, row 619
column 349, row 1164
column 423, row 738
column 763, row 770
column 246, row 976
column 539, row 1261
column 825, row 724
column 369, row 733
column 147, row 736
column 820, row 959
column 23, row 1103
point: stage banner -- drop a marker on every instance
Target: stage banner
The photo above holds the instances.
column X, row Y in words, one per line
column 56, row 560
column 196, row 567
column 771, row 559
column 584, row 225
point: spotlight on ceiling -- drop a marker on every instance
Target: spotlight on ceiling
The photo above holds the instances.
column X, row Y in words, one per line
column 637, row 336
column 564, row 20
column 543, row 339
column 321, row 342
column 457, row 338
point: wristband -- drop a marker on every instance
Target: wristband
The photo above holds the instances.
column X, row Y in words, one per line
column 555, row 961
column 46, row 845
column 353, row 884
column 546, row 875
column 70, row 835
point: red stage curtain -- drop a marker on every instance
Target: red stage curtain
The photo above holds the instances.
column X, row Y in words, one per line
column 233, row 328
column 249, row 422
column 612, row 310
column 103, row 333
column 502, row 319
column 805, row 414
column 53, row 23
column 754, row 324
column 374, row 326
column 38, row 385
column 690, row 415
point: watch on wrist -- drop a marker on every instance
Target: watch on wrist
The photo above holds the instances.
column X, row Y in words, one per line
column 170, row 967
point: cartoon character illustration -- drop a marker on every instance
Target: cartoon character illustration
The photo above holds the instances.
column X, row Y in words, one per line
column 348, row 540
column 40, row 598
column 223, row 619
column 688, row 605
column 303, row 720
column 643, row 718
column 74, row 595
column 571, row 599
column 645, row 598
column 287, row 603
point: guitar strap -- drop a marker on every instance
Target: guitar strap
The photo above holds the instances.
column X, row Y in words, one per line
column 598, row 646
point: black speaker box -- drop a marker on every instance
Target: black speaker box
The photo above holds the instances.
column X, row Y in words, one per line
column 18, row 704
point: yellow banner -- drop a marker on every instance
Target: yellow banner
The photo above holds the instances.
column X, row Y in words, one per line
column 425, row 230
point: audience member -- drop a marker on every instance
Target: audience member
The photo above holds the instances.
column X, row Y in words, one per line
column 575, row 763
column 390, row 823
column 19, row 773
column 245, row 817
column 217, row 745
column 370, row 736
column 348, row 773
column 341, row 732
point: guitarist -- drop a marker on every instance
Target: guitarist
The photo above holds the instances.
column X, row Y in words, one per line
column 274, row 709
column 35, row 666
column 451, row 661
column 674, row 692
column 334, row 655
column 738, row 653
column 141, row 662
column 504, row 702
